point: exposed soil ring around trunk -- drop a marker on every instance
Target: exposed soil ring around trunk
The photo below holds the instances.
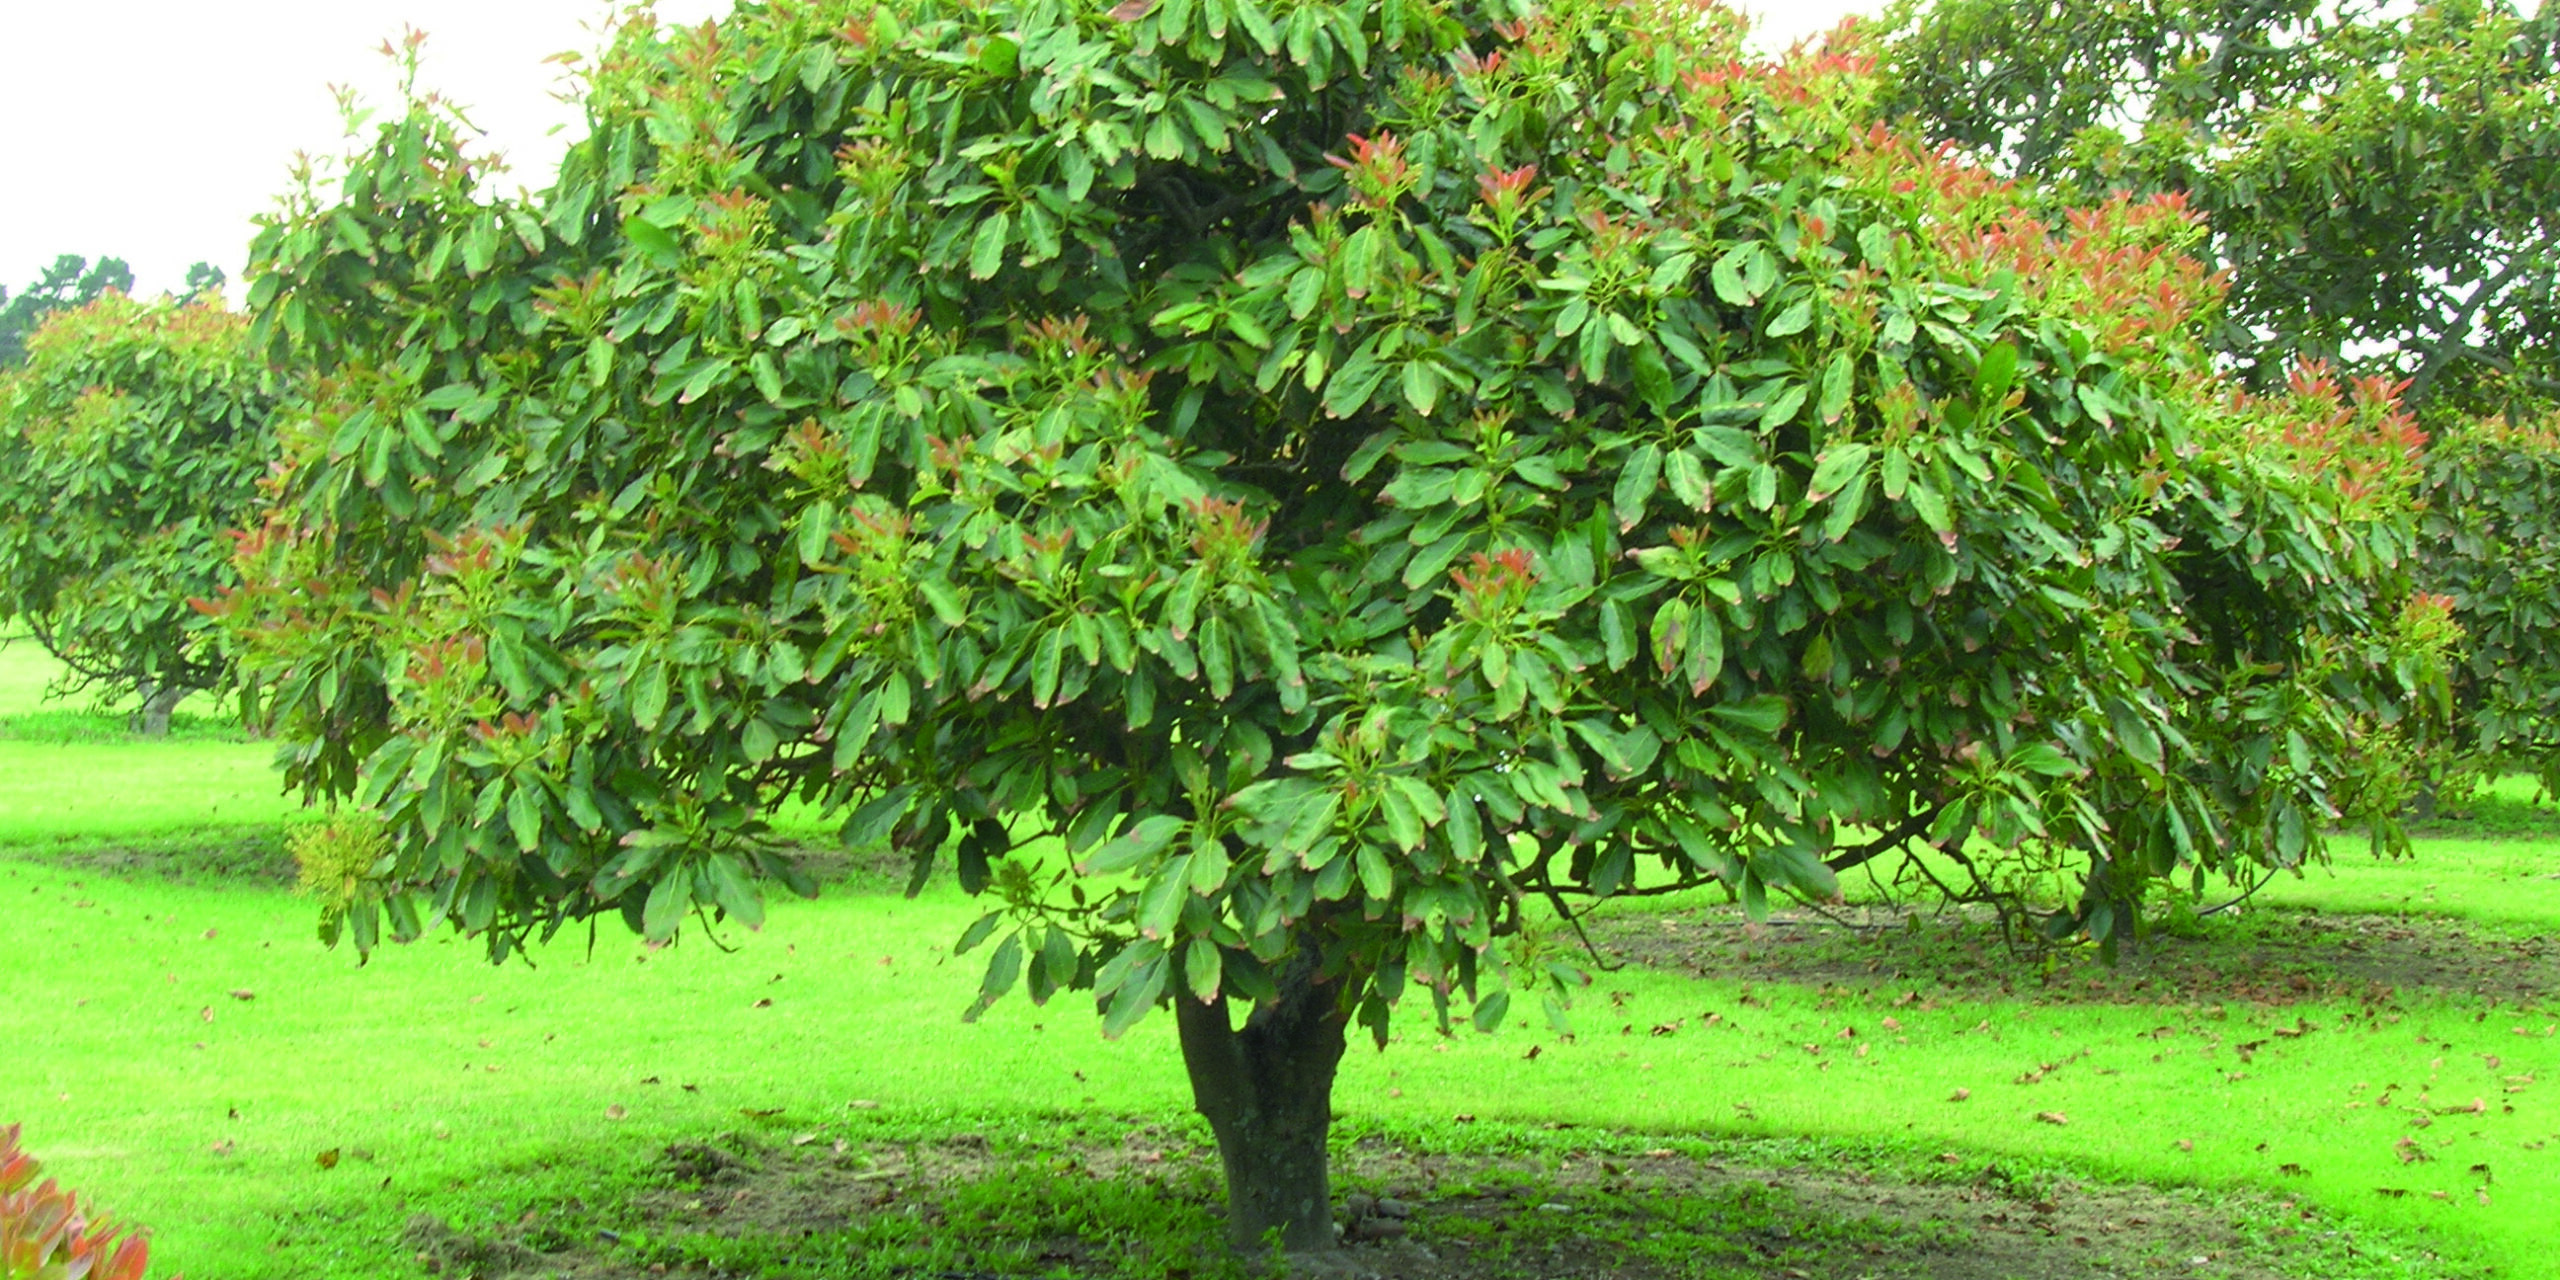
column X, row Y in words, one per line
column 2267, row 957
column 1617, row 1211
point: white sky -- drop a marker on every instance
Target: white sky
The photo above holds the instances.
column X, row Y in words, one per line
column 155, row 130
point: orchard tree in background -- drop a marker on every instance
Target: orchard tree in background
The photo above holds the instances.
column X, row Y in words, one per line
column 130, row 443
column 2491, row 541
column 2378, row 183
column 2377, row 180
column 1357, row 475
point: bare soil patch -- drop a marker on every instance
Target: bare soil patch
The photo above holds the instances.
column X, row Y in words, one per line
column 255, row 858
column 2267, row 956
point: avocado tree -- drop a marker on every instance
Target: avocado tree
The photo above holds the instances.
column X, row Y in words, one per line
column 130, row 443
column 1357, row 476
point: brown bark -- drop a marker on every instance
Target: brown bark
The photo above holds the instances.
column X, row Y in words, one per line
column 1266, row 1089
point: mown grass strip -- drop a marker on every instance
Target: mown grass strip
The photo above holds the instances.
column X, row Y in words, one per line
column 191, row 1054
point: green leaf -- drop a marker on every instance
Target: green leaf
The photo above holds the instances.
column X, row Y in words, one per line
column 734, row 891
column 977, row 932
column 653, row 241
column 817, row 64
column 1846, row 506
column 1931, row 506
column 1617, row 634
column 1004, row 968
column 1137, row 994
column 648, row 696
column 669, row 899
column 1202, row 964
column 1056, row 967
column 1160, row 906
column 1421, row 387
column 1352, row 385
column 1575, row 313
column 999, row 58
column 1837, row 465
column 817, row 527
column 869, row 826
column 986, row 252
column 1376, row 878
column 1764, row 715
column 1688, row 479
column 1463, row 828
column 1999, row 368
column 1783, row 407
column 524, row 814
column 1140, row 842
column 1726, row 275
column 1636, row 483
column 2044, row 758
column 1792, row 321
column 1837, row 380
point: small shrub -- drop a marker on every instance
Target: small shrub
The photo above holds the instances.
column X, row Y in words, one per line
column 44, row 1236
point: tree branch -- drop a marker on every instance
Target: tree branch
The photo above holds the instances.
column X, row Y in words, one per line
column 1909, row 829
column 2449, row 345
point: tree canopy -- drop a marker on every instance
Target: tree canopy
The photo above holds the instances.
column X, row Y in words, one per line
column 1353, row 475
column 2491, row 543
column 2376, row 179
column 130, row 444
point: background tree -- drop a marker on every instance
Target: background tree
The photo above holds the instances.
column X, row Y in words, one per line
column 2377, row 180
column 69, row 282
column 1352, row 474
column 2491, row 542
column 2377, row 183
column 129, row 443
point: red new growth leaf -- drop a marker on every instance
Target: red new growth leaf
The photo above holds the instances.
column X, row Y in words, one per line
column 44, row 1234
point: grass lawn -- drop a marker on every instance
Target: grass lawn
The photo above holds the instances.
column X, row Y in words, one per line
column 70, row 772
column 184, row 1049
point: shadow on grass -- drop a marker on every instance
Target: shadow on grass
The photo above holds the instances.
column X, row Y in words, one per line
column 858, row 1197
column 62, row 725
column 2507, row 809
column 2266, row 955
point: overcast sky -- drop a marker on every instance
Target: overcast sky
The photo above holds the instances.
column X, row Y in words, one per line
column 155, row 130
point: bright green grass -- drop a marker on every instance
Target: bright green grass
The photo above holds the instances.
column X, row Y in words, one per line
column 90, row 792
column 128, row 1089
column 2513, row 885
column 71, row 773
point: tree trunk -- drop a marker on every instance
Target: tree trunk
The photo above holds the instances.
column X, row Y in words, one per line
column 1267, row 1092
column 157, row 707
column 157, row 703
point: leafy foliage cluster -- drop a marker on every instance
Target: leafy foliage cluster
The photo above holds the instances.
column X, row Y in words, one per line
column 45, row 1236
column 2490, row 542
column 130, row 444
column 2373, row 179
column 1348, row 471
column 2374, row 176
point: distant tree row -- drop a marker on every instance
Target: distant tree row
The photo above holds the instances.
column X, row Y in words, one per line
column 72, row 282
